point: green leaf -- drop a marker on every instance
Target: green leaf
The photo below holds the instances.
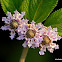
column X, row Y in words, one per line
column 11, row 5
column 37, row 10
column 55, row 20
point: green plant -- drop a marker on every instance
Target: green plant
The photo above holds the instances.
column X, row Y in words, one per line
column 37, row 10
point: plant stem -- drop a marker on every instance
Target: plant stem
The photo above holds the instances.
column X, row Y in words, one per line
column 24, row 54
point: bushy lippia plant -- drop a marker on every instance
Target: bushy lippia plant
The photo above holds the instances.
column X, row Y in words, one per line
column 30, row 27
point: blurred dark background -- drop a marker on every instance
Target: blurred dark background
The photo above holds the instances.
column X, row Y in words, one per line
column 8, row 46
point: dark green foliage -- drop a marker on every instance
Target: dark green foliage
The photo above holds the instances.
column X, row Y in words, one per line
column 37, row 10
column 55, row 20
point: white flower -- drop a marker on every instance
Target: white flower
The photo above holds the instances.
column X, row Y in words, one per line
column 12, row 23
column 49, row 36
column 31, row 35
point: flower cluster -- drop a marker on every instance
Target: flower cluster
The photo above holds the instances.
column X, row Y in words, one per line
column 35, row 35
column 13, row 22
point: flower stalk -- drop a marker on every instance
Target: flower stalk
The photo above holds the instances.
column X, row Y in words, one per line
column 24, row 54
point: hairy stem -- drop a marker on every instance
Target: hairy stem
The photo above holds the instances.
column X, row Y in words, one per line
column 24, row 54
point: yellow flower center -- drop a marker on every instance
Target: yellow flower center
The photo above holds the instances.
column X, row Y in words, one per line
column 14, row 24
column 30, row 34
column 46, row 40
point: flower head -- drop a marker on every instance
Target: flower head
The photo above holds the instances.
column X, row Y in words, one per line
column 12, row 22
column 31, row 36
column 49, row 36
